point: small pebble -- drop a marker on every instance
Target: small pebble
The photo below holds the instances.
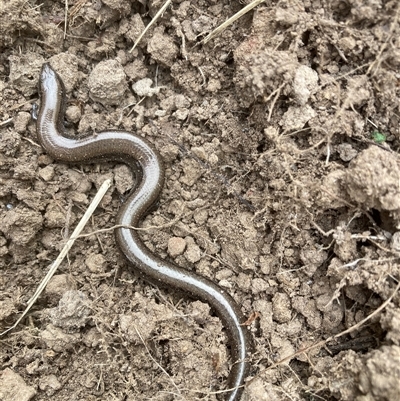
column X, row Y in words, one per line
column 46, row 173
column 176, row 246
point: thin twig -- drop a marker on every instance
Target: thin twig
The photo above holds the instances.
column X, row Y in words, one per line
column 5, row 122
column 66, row 19
column 161, row 10
column 231, row 20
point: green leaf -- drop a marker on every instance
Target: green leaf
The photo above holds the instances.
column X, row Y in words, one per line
column 378, row 137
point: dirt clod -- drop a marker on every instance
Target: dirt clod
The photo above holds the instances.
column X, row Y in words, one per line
column 14, row 388
column 373, row 181
column 72, row 312
column 107, row 82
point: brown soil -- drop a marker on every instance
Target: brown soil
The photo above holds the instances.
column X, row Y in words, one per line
column 278, row 188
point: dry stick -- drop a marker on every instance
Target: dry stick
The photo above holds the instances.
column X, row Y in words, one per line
column 5, row 122
column 324, row 342
column 66, row 19
column 160, row 11
column 96, row 200
column 231, row 20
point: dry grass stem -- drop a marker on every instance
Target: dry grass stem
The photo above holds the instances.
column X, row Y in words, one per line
column 231, row 20
column 322, row 343
column 158, row 15
column 54, row 266
column 66, row 19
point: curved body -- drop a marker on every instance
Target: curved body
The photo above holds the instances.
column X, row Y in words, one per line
column 141, row 156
